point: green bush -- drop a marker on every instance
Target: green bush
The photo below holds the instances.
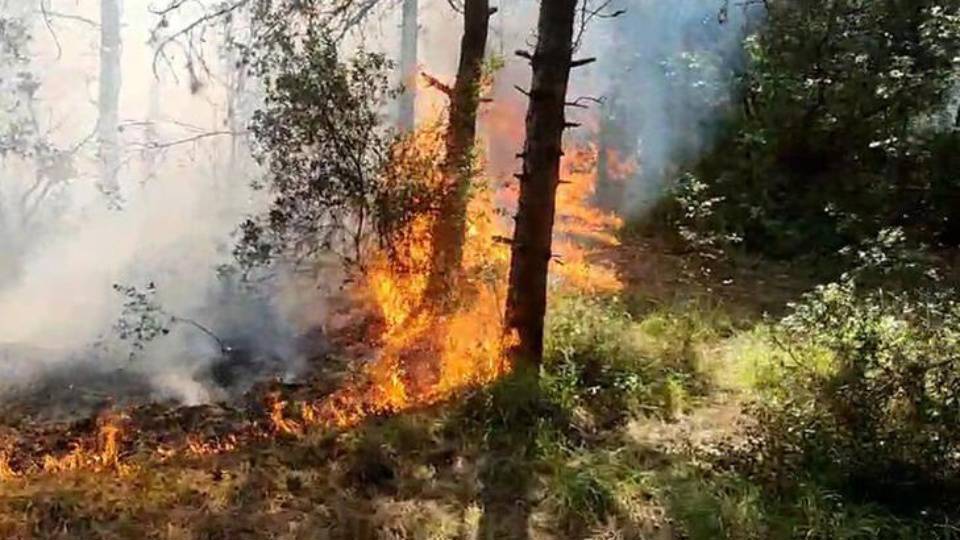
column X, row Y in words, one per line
column 723, row 505
column 592, row 360
column 870, row 397
column 846, row 127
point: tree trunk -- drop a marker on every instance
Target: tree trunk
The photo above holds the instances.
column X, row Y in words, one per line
column 236, row 75
column 450, row 227
column 409, row 58
column 610, row 192
column 151, row 162
column 533, row 236
column 109, row 98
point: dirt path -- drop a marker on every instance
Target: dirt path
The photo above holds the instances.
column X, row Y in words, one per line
column 718, row 419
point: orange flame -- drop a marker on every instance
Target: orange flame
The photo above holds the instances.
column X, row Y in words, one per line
column 212, row 447
column 281, row 424
column 6, row 471
column 428, row 357
column 101, row 453
column 425, row 356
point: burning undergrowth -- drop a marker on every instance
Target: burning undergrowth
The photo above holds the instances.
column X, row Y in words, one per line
column 430, row 354
column 154, row 355
column 406, row 354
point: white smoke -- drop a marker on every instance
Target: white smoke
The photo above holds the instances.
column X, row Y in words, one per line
column 668, row 72
column 57, row 303
column 181, row 201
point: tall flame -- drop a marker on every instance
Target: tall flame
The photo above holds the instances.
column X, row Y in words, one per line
column 429, row 356
column 426, row 355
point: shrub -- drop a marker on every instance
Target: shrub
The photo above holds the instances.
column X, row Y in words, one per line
column 591, row 360
column 870, row 400
column 710, row 506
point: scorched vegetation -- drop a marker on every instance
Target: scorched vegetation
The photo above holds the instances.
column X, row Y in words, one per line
column 670, row 270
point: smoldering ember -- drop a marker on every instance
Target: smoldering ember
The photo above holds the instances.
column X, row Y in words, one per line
column 479, row 269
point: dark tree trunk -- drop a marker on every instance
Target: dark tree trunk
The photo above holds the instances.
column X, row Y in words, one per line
column 533, row 236
column 450, row 228
column 109, row 95
column 409, row 57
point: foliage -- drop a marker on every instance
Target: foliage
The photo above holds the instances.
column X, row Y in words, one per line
column 869, row 398
column 843, row 130
column 591, row 360
column 698, row 208
column 408, row 190
column 708, row 505
column 330, row 161
column 318, row 136
column 142, row 319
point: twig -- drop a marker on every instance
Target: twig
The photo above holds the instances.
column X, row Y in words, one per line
column 224, row 348
column 438, row 84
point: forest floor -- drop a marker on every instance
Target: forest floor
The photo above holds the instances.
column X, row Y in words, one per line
column 442, row 473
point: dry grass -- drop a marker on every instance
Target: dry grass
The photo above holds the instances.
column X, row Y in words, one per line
column 426, row 475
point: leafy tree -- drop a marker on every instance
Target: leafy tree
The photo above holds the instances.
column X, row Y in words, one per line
column 338, row 177
column 842, row 128
column 319, row 137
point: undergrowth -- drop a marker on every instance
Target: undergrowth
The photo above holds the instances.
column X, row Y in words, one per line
column 551, row 453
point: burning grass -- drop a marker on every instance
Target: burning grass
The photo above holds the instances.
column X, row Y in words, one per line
column 424, row 356
column 430, row 355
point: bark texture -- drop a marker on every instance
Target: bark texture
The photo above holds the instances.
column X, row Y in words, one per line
column 109, row 95
column 546, row 122
column 450, row 227
column 409, row 58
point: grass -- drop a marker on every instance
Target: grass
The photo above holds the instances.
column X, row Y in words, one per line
column 552, row 456
column 436, row 474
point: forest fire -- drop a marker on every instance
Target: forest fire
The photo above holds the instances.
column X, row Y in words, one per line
column 99, row 452
column 425, row 355
column 428, row 356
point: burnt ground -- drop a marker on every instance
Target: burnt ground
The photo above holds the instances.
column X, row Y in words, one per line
column 406, row 477
column 72, row 390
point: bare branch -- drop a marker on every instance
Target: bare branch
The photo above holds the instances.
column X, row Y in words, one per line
column 437, row 83
column 188, row 140
column 578, row 103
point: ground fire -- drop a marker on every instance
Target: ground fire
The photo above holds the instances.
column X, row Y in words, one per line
column 423, row 357
column 479, row 269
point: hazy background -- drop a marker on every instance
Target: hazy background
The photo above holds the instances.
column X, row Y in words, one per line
column 185, row 173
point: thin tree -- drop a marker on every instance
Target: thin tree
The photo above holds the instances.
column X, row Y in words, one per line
column 546, row 122
column 409, row 58
column 109, row 95
column 450, row 227
column 151, row 134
